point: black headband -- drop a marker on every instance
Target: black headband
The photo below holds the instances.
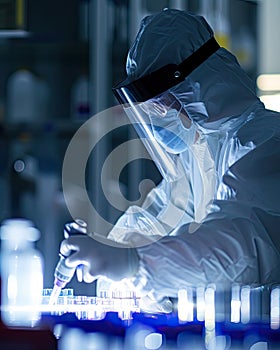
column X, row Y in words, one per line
column 162, row 79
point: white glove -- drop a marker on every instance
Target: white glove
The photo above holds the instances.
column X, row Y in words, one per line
column 150, row 304
column 99, row 259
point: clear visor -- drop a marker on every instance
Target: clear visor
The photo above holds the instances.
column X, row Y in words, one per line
column 168, row 164
column 148, row 100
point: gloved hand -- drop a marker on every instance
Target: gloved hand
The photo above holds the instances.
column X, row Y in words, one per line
column 150, row 304
column 99, row 259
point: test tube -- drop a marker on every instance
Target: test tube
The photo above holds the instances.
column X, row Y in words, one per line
column 81, row 302
column 235, row 303
column 185, row 305
column 275, row 308
column 200, row 303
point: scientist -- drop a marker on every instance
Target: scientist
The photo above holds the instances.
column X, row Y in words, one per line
column 215, row 216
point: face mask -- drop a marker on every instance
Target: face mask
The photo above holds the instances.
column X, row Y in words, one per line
column 170, row 132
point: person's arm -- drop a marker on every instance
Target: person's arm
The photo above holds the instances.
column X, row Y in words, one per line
column 166, row 207
column 239, row 243
column 220, row 251
column 234, row 244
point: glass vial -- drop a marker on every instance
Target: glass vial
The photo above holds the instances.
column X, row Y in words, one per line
column 21, row 273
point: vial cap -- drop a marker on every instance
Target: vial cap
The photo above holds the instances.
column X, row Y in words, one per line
column 19, row 230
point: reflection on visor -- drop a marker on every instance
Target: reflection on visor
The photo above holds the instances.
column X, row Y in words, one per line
column 162, row 104
column 169, row 165
column 171, row 142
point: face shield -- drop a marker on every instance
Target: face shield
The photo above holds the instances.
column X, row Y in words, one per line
column 158, row 116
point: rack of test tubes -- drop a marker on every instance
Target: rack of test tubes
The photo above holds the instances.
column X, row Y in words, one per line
column 244, row 318
column 91, row 307
column 242, row 304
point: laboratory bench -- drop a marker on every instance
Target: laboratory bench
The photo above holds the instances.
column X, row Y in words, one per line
column 142, row 331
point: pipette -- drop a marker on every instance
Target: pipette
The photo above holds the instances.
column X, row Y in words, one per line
column 63, row 274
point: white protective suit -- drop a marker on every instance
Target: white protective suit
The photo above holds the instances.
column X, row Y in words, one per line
column 220, row 222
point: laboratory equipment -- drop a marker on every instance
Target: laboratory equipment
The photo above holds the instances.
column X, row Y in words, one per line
column 63, row 274
column 244, row 317
column 21, row 273
column 250, row 320
column 23, row 96
column 90, row 307
column 80, row 105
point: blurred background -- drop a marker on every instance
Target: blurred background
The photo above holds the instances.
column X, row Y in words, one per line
column 58, row 62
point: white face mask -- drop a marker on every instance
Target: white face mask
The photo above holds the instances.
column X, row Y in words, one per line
column 170, row 132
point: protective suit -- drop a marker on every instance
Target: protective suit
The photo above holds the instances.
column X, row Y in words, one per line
column 219, row 217
column 215, row 216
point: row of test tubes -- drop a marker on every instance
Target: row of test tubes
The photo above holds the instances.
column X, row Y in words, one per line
column 242, row 304
column 90, row 307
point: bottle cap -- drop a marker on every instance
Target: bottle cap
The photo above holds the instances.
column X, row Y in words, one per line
column 19, row 230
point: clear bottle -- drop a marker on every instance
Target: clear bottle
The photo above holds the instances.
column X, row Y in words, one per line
column 21, row 273
column 22, row 97
column 80, row 104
